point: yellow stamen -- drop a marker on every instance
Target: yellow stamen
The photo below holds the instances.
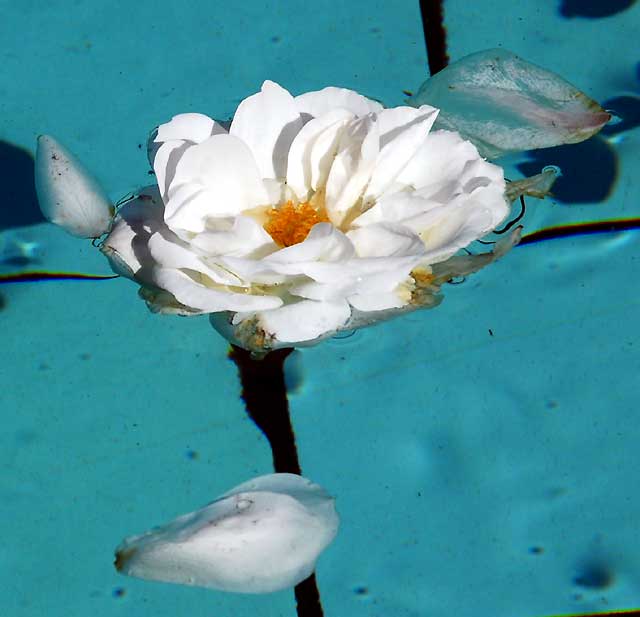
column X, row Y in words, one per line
column 291, row 224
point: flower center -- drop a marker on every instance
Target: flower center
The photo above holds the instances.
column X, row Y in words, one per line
column 291, row 224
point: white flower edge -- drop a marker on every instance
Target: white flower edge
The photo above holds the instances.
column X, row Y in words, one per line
column 255, row 335
column 262, row 536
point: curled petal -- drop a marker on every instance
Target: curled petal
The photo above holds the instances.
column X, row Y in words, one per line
column 504, row 104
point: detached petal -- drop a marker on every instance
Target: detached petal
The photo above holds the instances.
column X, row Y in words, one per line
column 69, row 196
column 268, row 122
column 264, row 535
column 504, row 104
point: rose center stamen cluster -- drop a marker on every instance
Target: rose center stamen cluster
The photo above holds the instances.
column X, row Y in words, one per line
column 291, row 223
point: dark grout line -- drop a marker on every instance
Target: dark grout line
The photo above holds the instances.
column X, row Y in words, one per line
column 435, row 34
column 264, row 393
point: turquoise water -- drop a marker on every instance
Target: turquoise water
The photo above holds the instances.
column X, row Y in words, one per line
column 483, row 455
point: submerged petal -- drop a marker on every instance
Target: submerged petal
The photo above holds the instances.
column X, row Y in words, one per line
column 262, row 536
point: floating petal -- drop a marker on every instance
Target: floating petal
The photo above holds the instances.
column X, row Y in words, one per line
column 262, row 536
column 68, row 194
column 503, row 104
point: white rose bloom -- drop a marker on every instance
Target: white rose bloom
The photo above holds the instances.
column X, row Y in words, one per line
column 309, row 215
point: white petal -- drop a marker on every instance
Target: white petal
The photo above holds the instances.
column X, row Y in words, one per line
column 188, row 127
column 69, row 196
column 323, row 153
column 125, row 246
column 225, row 167
column 262, row 536
column 167, row 251
column 350, row 270
column 395, row 208
column 379, row 289
column 352, row 167
column 299, row 167
column 395, row 120
column 442, row 156
column 207, row 299
column 324, row 243
column 322, row 101
column 383, row 291
column 385, row 240
column 165, row 161
column 468, row 218
column 398, row 150
column 190, row 205
column 304, row 320
column 247, row 238
column 268, row 122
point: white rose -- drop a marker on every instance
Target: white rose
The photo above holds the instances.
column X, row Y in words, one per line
column 310, row 214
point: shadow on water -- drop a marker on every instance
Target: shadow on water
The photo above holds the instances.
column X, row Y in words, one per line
column 589, row 170
column 627, row 108
column 18, row 204
column 593, row 8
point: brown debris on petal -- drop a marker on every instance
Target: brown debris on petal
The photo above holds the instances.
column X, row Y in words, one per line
column 122, row 557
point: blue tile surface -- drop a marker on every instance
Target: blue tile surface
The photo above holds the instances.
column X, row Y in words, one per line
column 476, row 472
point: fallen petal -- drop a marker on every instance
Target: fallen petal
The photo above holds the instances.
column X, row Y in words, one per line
column 503, row 104
column 262, row 536
column 68, row 194
column 534, row 186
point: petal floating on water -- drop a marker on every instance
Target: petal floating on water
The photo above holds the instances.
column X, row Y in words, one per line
column 68, row 194
column 503, row 104
column 262, row 536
